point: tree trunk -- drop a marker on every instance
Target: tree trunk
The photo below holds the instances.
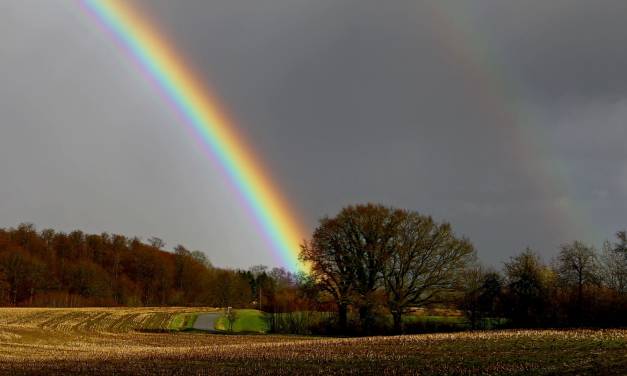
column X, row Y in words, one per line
column 365, row 316
column 343, row 317
column 580, row 302
column 397, row 316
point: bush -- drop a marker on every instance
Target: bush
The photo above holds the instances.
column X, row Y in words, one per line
column 302, row 322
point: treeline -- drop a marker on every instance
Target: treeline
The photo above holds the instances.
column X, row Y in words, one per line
column 371, row 267
column 374, row 262
column 582, row 286
column 55, row 269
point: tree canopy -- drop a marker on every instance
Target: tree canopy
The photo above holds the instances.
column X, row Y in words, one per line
column 369, row 251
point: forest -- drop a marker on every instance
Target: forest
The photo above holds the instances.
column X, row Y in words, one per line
column 55, row 269
column 371, row 266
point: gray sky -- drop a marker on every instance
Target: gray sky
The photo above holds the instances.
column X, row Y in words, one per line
column 506, row 118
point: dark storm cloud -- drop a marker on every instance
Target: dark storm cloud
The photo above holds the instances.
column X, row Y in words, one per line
column 559, row 48
column 346, row 101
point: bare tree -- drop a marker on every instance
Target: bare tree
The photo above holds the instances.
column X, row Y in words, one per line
column 577, row 266
column 368, row 249
column 202, row 258
column 613, row 262
column 370, row 233
column 426, row 263
column 156, row 242
column 330, row 265
column 472, row 286
column 347, row 254
column 528, row 285
column 621, row 246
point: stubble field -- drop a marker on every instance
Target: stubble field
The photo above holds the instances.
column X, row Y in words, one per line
column 149, row 341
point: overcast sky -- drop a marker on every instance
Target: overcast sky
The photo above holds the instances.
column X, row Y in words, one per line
column 506, row 118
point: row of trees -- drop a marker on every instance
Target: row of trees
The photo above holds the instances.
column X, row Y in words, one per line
column 371, row 256
column 581, row 286
column 48, row 268
column 368, row 263
column 378, row 261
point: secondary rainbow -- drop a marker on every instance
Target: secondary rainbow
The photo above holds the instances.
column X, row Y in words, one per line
column 497, row 94
column 201, row 112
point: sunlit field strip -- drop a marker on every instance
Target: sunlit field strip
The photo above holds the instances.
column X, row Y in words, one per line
column 91, row 340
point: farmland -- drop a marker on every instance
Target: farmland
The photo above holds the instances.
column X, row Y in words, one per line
column 154, row 341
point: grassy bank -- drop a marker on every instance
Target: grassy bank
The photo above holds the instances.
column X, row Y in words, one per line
column 247, row 321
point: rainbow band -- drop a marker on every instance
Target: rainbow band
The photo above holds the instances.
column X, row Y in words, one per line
column 202, row 114
column 460, row 36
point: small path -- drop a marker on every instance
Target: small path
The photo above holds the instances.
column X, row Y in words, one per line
column 207, row 322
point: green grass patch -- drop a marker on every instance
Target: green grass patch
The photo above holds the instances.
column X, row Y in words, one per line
column 182, row 322
column 248, row 321
column 177, row 322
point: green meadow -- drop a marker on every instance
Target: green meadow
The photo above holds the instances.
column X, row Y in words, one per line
column 247, row 321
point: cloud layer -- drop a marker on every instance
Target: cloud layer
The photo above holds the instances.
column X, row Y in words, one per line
column 505, row 118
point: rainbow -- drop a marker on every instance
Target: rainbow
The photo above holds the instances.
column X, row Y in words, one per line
column 202, row 113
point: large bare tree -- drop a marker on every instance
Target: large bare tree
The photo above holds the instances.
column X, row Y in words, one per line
column 330, row 265
column 347, row 254
column 371, row 248
column 427, row 262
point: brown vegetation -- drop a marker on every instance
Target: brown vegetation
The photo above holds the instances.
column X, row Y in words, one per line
column 54, row 269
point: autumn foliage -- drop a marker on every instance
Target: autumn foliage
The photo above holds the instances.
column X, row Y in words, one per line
column 55, row 269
